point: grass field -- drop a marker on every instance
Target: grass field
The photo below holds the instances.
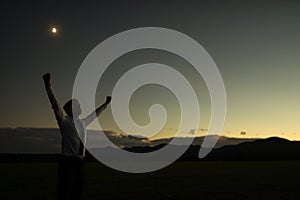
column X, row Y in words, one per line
column 181, row 180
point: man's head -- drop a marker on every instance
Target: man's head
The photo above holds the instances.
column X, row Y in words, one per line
column 69, row 110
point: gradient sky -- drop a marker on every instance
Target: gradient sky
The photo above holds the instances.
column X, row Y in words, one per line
column 255, row 45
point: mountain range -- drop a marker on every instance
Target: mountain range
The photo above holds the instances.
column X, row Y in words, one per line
column 43, row 144
column 48, row 140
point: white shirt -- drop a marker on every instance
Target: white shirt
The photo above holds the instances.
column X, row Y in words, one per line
column 71, row 141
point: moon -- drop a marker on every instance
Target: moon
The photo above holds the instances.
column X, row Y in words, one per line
column 53, row 30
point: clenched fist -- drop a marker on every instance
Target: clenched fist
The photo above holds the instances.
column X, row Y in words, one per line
column 108, row 100
column 47, row 78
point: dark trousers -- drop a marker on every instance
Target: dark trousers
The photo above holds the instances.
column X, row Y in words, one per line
column 70, row 178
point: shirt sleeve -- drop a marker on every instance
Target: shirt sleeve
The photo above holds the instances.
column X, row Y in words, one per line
column 58, row 111
column 87, row 120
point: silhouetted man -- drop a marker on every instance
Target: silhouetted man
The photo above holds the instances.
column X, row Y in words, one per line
column 70, row 166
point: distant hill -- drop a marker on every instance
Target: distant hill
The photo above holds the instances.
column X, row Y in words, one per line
column 273, row 148
column 29, row 140
column 48, row 140
column 270, row 149
column 17, row 142
column 222, row 140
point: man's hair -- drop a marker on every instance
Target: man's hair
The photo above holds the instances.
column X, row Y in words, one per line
column 68, row 106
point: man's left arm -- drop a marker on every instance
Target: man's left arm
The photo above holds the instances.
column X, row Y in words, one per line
column 87, row 120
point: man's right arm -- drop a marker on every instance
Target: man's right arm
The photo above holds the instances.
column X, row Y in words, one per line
column 58, row 111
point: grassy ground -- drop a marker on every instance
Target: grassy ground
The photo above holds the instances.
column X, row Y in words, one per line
column 181, row 180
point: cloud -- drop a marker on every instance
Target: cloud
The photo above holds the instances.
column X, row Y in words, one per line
column 203, row 129
column 243, row 133
column 193, row 131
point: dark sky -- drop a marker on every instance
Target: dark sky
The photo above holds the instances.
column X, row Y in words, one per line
column 255, row 44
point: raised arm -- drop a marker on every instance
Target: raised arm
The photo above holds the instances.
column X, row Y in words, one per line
column 58, row 111
column 97, row 112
